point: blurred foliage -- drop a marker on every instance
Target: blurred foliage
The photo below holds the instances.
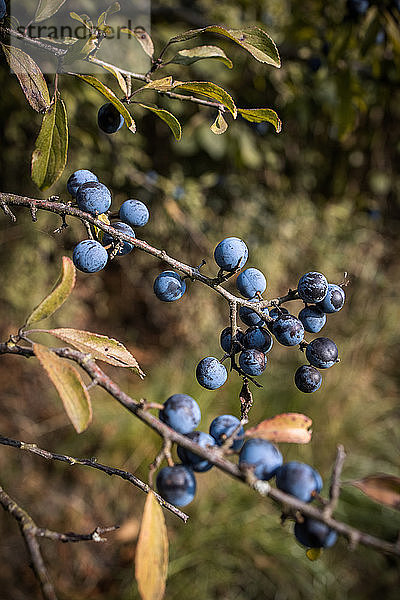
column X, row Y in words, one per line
column 324, row 195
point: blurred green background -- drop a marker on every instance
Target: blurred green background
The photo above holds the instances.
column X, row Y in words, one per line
column 322, row 195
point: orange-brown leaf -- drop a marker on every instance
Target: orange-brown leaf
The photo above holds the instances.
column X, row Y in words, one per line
column 288, row 427
column 381, row 488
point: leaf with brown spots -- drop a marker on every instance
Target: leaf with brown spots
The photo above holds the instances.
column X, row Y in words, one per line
column 288, row 427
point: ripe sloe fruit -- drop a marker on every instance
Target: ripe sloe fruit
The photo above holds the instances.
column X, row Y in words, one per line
column 176, row 484
column 252, row 362
column 3, row 9
column 322, row 353
column 109, row 118
column 226, row 340
column 134, row 212
column 314, row 534
column 210, row 373
column 190, row 459
column 93, row 197
column 312, row 287
column 308, row 379
column 251, row 318
column 123, row 228
column 231, row 253
column 298, row 479
column 288, row 330
column 313, row 318
column 250, row 282
column 89, row 256
column 79, row 178
column 262, row 455
column 181, row 412
column 334, row 299
column 257, row 338
column 224, row 426
column 169, row 286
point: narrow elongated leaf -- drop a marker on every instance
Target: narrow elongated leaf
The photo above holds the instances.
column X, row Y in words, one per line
column 109, row 94
column 168, row 117
column 163, row 85
column 381, row 488
column 288, row 427
column 141, row 35
column 210, row 90
column 99, row 347
column 58, row 296
column 46, row 9
column 120, row 78
column 260, row 115
column 220, row 125
column 254, row 40
column 50, row 154
column 80, row 49
column 151, row 560
column 69, row 385
column 192, row 55
column 30, row 77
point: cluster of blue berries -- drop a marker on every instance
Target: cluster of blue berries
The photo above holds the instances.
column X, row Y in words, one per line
column 177, row 483
column 94, row 198
column 252, row 346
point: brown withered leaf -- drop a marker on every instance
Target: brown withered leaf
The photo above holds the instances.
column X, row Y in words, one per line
column 287, row 427
column 381, row 488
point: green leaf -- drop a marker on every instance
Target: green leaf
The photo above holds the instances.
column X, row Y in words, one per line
column 118, row 77
column 114, row 8
column 254, row 40
column 50, row 154
column 109, row 94
column 220, row 125
column 99, row 232
column 99, row 347
column 80, row 49
column 69, row 385
column 141, row 35
column 58, row 296
column 161, row 85
column 84, row 19
column 381, row 488
column 151, row 559
column 260, row 115
column 30, row 77
column 168, row 117
column 46, row 9
column 293, row 428
column 192, row 55
column 210, row 90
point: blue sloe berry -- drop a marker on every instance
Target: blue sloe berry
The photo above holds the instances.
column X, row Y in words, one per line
column 226, row 340
column 275, row 313
column 298, row 479
column 134, row 212
column 314, row 534
column 251, row 282
column 357, row 8
column 231, row 253
column 223, row 426
column 79, row 178
column 89, row 256
column 249, row 317
column 322, row 353
column 252, row 362
column 169, row 286
column 93, row 197
column 122, row 228
column 257, row 338
column 181, row 412
column 190, row 459
column 176, row 484
column 288, row 330
column 3, row 9
column 262, row 455
column 313, row 318
column 334, row 299
column 210, row 373
column 109, row 118
column 312, row 287
column 308, row 379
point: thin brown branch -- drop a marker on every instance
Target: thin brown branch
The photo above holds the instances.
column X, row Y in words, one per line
column 92, row 462
column 334, row 490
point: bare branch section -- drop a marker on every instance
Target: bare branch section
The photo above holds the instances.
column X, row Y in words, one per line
column 214, row 455
column 30, row 532
column 92, row 462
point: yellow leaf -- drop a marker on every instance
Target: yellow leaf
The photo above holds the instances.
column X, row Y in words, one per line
column 69, row 385
column 151, row 561
column 313, row 553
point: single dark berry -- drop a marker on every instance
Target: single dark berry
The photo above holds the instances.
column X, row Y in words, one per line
column 312, row 287
column 89, row 256
column 176, row 484
column 299, row 480
column 275, row 313
column 308, row 379
column 226, row 341
column 334, row 299
column 109, row 118
column 134, row 212
column 210, row 373
column 322, row 353
column 93, row 197
column 223, row 427
column 313, row 318
column 251, row 282
column 190, row 459
column 257, row 338
column 231, row 254
column 181, row 412
column 263, row 456
column 252, row 362
column 288, row 330
column 3, row 9
column 314, row 534
column 79, row 178
column 169, row 286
